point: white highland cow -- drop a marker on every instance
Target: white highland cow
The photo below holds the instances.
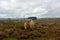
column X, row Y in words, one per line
column 29, row 23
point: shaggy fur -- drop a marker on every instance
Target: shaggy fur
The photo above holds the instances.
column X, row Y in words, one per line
column 29, row 23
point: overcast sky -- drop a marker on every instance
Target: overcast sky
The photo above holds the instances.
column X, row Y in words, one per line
column 25, row 8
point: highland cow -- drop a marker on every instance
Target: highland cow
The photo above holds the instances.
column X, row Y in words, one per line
column 29, row 23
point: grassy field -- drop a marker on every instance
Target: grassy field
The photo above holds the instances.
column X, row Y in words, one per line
column 45, row 29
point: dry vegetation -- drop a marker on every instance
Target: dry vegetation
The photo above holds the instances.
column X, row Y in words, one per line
column 45, row 29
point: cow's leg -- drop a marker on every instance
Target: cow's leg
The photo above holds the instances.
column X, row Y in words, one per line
column 31, row 27
column 25, row 26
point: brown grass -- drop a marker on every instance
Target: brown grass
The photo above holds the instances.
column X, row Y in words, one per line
column 45, row 29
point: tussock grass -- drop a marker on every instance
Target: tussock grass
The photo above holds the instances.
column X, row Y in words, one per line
column 45, row 29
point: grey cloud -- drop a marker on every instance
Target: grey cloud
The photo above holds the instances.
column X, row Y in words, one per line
column 20, row 8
